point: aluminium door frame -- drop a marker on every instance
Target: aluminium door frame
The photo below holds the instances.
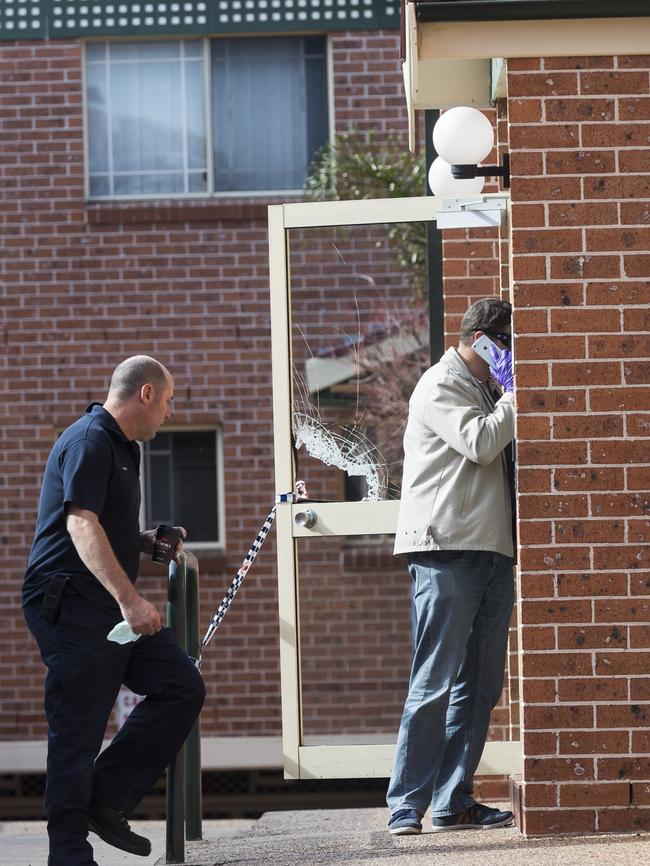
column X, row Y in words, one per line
column 341, row 757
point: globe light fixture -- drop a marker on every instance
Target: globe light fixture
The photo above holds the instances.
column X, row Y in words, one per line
column 442, row 182
column 463, row 137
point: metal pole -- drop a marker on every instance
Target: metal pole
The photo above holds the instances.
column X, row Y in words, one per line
column 193, row 805
column 176, row 619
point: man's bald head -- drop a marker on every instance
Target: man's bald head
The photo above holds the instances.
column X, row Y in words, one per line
column 129, row 377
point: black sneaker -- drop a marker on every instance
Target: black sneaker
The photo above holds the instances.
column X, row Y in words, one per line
column 476, row 817
column 405, row 822
column 113, row 828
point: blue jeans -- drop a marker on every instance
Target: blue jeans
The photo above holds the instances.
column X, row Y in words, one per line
column 463, row 601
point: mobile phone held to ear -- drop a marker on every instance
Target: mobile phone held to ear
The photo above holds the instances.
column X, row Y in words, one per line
column 482, row 348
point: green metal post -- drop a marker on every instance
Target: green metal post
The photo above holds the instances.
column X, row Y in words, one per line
column 193, row 805
column 177, row 620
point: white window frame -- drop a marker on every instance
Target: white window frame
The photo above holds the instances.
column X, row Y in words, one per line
column 211, row 193
column 194, row 546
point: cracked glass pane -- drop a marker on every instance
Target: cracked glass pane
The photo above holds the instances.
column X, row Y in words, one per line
column 360, row 343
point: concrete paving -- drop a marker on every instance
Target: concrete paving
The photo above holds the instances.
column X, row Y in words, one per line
column 358, row 837
column 24, row 843
column 345, row 837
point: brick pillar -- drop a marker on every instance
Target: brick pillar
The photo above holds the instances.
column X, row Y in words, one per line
column 579, row 137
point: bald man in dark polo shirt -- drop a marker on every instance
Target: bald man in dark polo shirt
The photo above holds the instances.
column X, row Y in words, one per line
column 80, row 582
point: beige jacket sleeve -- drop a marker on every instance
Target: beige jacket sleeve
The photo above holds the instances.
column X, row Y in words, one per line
column 477, row 434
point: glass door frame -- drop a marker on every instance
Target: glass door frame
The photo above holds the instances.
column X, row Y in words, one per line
column 338, row 759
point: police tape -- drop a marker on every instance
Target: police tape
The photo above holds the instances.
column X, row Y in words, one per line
column 249, row 559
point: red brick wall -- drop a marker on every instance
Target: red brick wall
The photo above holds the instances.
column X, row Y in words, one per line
column 579, row 133
column 368, row 85
column 86, row 285
column 471, row 271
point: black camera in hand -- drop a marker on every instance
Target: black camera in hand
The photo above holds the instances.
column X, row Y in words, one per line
column 167, row 537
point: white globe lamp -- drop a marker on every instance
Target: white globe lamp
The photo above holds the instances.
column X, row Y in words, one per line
column 463, row 136
column 442, row 182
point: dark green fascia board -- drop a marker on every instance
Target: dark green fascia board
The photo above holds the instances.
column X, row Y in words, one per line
column 523, row 10
column 46, row 21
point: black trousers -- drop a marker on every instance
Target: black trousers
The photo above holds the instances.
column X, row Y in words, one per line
column 84, row 675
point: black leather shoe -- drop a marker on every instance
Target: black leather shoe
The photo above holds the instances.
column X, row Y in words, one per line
column 113, row 828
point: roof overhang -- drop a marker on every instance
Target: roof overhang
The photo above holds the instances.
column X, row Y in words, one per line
column 449, row 45
column 526, row 10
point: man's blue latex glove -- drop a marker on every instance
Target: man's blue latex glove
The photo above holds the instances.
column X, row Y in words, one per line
column 501, row 367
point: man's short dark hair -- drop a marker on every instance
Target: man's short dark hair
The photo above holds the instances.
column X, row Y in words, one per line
column 129, row 376
column 488, row 314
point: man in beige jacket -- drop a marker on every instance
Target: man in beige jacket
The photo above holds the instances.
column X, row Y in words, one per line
column 455, row 526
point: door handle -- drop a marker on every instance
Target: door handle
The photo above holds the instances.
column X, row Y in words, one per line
column 306, row 518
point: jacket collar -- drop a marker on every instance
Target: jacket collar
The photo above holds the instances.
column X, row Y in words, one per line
column 453, row 360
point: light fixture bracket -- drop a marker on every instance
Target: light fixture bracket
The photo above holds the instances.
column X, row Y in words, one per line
column 465, row 172
column 477, row 211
